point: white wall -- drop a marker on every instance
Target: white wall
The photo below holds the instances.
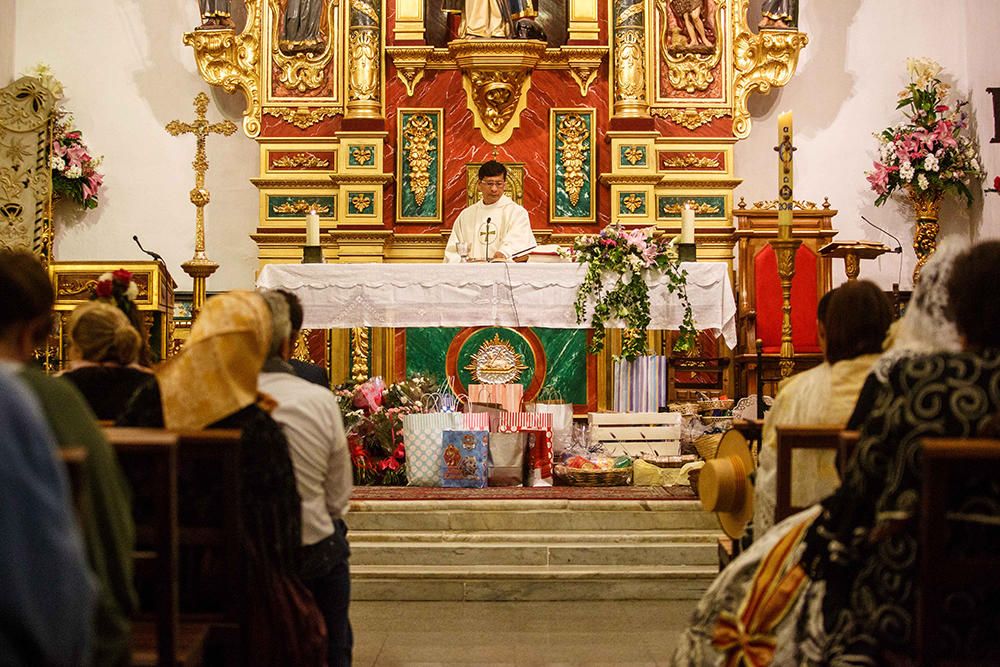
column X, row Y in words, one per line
column 6, row 42
column 127, row 74
column 130, row 75
column 845, row 89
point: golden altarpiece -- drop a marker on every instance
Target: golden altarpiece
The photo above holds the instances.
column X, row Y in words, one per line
column 27, row 110
column 378, row 115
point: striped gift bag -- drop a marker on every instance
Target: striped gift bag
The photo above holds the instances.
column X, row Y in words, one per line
column 640, row 385
column 538, row 426
column 507, row 396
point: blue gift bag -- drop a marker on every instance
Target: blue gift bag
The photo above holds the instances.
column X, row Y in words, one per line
column 463, row 459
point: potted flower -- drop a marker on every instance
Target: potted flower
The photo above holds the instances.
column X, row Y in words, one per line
column 619, row 261
column 928, row 155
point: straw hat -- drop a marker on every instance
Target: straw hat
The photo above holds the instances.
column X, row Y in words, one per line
column 725, row 487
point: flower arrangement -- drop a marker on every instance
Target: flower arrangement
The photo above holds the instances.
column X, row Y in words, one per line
column 618, row 264
column 116, row 287
column 74, row 168
column 373, row 419
column 930, row 153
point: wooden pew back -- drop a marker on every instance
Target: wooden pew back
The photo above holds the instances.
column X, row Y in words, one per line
column 830, row 438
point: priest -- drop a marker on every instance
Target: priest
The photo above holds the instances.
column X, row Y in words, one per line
column 494, row 228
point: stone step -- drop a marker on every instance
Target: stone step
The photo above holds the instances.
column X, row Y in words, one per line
column 530, row 582
column 535, row 536
column 527, row 553
column 527, row 515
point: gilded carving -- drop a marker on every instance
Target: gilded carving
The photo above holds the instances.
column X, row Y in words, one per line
column 574, row 135
column 633, row 202
column 772, row 205
column 360, row 202
column 410, row 62
column 361, row 155
column 419, row 134
column 691, row 54
column 301, row 117
column 761, row 60
column 635, row 154
column 702, row 208
column 690, row 118
column 496, row 95
column 302, row 206
column 364, row 68
column 691, row 161
column 300, row 68
column 630, row 68
column 232, row 62
column 300, row 160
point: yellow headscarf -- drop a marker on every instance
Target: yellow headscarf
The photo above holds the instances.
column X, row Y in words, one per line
column 216, row 373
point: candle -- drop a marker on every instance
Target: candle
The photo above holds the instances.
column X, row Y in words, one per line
column 785, row 180
column 687, row 223
column 312, row 228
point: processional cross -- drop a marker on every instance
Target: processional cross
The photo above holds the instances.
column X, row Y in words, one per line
column 200, row 267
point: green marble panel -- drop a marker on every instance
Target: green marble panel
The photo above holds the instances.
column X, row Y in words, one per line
column 632, row 156
column 707, row 207
column 430, row 207
column 565, row 352
column 564, row 208
column 631, row 203
column 297, row 206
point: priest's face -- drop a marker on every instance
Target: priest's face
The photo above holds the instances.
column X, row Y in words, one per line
column 491, row 188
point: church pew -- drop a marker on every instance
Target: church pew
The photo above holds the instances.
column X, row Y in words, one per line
column 74, row 459
column 953, row 559
column 165, row 641
column 820, row 437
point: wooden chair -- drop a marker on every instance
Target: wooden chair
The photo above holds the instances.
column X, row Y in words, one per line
column 75, row 458
column 948, row 465
column 791, row 438
column 165, row 641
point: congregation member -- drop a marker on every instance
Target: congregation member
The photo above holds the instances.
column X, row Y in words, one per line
column 46, row 600
column 852, row 323
column 212, row 383
column 310, row 417
column 26, row 300
column 304, row 369
column 845, row 571
column 103, row 356
column 495, row 228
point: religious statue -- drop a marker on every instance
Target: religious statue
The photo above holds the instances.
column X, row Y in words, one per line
column 301, row 26
column 780, row 14
column 691, row 33
column 496, row 19
column 215, row 15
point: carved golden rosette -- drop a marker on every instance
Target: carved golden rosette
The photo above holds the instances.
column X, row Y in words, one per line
column 360, row 202
column 232, row 61
column 573, row 132
column 418, row 134
column 632, row 203
column 303, row 70
column 761, row 60
column 634, row 154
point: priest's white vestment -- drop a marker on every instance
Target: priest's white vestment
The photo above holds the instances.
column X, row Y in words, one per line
column 499, row 227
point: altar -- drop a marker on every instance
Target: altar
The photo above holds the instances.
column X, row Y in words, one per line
column 439, row 313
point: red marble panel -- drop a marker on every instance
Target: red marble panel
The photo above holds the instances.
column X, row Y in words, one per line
column 463, row 143
column 717, row 156
column 275, row 156
column 273, row 127
column 719, row 127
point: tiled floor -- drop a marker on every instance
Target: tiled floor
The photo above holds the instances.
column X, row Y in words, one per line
column 630, row 633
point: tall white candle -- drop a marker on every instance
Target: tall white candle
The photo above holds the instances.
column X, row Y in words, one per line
column 687, row 223
column 312, row 228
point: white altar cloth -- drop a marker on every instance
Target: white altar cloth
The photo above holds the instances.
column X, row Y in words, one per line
column 500, row 294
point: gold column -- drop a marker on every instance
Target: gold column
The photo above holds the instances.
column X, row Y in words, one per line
column 359, row 354
column 364, row 73
column 631, row 98
column 200, row 267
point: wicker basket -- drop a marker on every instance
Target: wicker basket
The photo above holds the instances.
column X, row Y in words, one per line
column 715, row 405
column 707, row 444
column 579, row 477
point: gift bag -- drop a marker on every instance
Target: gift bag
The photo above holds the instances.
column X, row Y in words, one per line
column 509, row 396
column 562, row 424
column 640, row 385
column 506, row 462
column 463, row 459
column 422, row 440
column 538, row 426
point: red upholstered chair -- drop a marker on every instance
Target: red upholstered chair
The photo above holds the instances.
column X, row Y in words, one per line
column 759, row 290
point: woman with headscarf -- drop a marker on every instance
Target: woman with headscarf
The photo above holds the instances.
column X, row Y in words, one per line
column 212, row 383
column 104, row 353
column 838, row 583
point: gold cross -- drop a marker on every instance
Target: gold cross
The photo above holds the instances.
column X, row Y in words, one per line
column 487, row 233
column 200, row 128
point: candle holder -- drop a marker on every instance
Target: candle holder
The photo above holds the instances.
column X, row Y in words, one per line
column 312, row 254
column 687, row 252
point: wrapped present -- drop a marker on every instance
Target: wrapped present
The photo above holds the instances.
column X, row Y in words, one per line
column 463, row 459
column 538, row 426
column 508, row 396
column 422, row 440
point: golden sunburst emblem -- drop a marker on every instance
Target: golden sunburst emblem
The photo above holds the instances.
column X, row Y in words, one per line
column 496, row 362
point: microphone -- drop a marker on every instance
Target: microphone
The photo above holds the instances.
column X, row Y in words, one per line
column 488, row 257
column 899, row 246
column 154, row 255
